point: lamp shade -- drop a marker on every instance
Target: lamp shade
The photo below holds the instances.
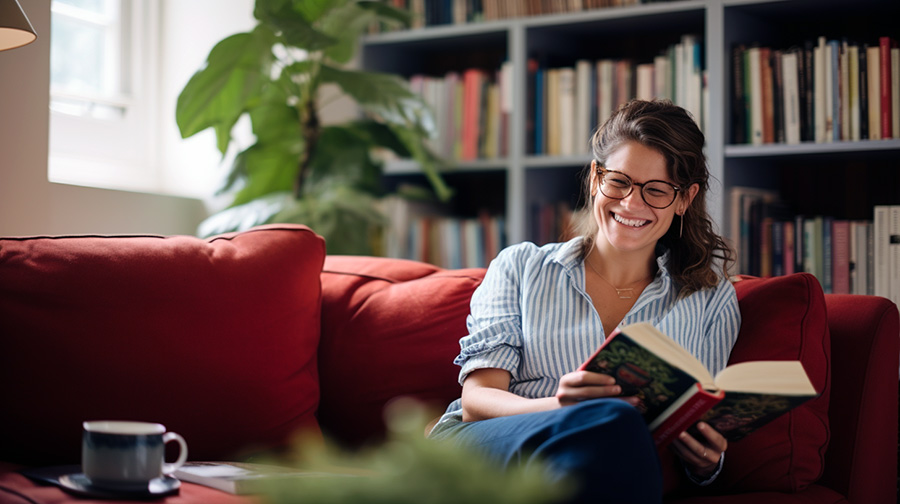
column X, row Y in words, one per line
column 15, row 29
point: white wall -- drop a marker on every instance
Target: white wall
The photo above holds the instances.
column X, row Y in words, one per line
column 29, row 204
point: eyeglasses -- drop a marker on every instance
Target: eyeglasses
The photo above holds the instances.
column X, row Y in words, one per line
column 655, row 193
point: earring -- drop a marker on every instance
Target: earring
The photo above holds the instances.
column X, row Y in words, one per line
column 681, row 226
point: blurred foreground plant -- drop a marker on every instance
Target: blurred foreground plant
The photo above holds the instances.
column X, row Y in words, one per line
column 409, row 469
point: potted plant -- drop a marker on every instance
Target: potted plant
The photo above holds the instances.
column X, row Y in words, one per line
column 299, row 169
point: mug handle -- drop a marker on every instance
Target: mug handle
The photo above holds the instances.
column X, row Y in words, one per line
column 182, row 453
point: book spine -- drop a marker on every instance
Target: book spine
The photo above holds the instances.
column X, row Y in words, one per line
column 881, row 242
column 819, row 90
column 791, row 98
column 885, row 86
column 895, row 90
column 840, row 242
column 853, row 58
column 768, row 95
column 863, row 93
column 683, row 413
column 873, row 62
column 738, row 109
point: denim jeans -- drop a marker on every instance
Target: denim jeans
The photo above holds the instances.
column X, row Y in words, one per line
column 602, row 445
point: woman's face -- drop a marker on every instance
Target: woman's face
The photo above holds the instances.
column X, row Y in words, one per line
column 629, row 224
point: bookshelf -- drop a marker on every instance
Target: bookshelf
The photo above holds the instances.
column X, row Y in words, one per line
column 805, row 174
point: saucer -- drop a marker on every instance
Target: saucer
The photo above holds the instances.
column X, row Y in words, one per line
column 79, row 484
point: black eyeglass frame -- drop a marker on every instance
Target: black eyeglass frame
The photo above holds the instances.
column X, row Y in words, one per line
column 601, row 172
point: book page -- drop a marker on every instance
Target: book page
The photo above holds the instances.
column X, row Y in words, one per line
column 766, row 377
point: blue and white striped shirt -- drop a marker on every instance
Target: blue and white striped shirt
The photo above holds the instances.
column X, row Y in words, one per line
column 532, row 316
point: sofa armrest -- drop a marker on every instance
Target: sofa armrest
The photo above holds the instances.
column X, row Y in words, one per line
column 861, row 459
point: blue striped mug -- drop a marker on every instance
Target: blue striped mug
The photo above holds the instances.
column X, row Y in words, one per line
column 127, row 455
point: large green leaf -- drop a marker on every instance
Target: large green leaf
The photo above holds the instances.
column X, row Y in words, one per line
column 217, row 95
column 238, row 218
column 273, row 119
column 379, row 135
column 346, row 24
column 289, row 19
column 384, row 95
column 348, row 219
column 269, row 168
column 428, row 162
column 342, row 158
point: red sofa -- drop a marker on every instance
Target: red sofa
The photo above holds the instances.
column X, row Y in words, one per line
column 242, row 341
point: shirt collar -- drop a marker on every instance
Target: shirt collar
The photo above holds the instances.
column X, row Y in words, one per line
column 569, row 257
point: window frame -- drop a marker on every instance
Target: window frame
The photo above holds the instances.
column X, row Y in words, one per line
column 117, row 153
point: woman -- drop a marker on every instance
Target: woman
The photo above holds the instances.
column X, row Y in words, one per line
column 648, row 254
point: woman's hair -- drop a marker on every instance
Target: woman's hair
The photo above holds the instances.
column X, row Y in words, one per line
column 671, row 131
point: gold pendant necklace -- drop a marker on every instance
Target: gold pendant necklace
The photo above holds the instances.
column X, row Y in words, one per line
column 625, row 293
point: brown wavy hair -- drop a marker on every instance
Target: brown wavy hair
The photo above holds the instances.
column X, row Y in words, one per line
column 699, row 256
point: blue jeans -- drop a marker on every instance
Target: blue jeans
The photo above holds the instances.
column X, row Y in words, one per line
column 603, row 445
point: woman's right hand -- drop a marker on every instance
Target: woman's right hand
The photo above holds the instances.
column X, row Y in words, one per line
column 580, row 386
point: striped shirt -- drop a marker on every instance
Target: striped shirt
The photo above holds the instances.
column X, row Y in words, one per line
column 532, row 316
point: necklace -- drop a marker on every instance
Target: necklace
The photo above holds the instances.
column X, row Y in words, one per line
column 623, row 293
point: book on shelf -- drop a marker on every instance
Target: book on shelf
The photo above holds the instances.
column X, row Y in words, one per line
column 676, row 390
column 845, row 91
column 568, row 102
column 241, row 478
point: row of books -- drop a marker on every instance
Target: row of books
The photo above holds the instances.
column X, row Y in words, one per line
column 828, row 90
column 846, row 256
column 471, row 110
column 421, row 232
column 570, row 102
column 439, row 12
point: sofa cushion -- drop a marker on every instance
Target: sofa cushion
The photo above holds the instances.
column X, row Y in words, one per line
column 783, row 318
column 214, row 338
column 390, row 327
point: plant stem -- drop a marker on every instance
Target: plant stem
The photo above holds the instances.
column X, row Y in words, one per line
column 310, row 129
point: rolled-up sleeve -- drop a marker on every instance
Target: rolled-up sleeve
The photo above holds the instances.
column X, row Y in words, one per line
column 495, row 321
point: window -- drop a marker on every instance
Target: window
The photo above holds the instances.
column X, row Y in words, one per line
column 102, row 93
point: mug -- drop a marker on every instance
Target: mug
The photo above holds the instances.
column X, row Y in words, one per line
column 124, row 454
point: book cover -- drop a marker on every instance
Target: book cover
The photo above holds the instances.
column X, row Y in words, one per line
column 675, row 390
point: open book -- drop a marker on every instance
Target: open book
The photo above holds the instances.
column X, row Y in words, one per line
column 676, row 390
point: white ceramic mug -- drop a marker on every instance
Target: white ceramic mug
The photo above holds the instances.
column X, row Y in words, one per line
column 124, row 454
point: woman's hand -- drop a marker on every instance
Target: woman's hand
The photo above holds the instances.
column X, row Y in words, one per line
column 701, row 456
column 579, row 386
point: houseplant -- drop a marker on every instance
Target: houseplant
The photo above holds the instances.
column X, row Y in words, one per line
column 299, row 169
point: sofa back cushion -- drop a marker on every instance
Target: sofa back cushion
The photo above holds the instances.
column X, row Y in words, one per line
column 390, row 328
column 783, row 318
column 214, row 338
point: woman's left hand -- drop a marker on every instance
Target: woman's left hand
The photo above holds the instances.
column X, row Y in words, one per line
column 701, row 455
